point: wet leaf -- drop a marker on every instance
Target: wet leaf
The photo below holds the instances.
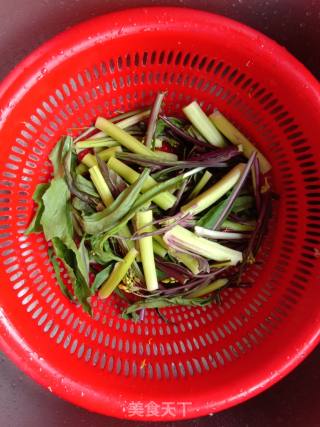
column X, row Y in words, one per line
column 35, row 224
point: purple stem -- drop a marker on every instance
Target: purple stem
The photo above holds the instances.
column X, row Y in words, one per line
column 179, row 196
column 178, row 246
column 141, row 314
column 256, row 179
column 193, row 284
column 183, row 135
column 235, row 192
column 236, row 218
column 220, row 154
column 180, row 273
column 214, row 159
column 153, row 118
column 261, row 226
column 115, row 183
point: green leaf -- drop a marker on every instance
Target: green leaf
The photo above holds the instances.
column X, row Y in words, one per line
column 101, row 277
column 101, row 251
column 71, row 259
column 39, row 191
column 85, row 185
column 82, row 257
column 211, row 216
column 76, row 259
column 82, row 293
column 82, row 206
column 56, row 218
column 121, row 294
column 242, row 203
column 57, row 155
column 73, row 161
column 63, row 252
column 67, row 256
column 147, row 197
column 177, row 122
column 160, row 127
column 161, row 302
column 57, row 272
column 101, row 221
column 35, row 225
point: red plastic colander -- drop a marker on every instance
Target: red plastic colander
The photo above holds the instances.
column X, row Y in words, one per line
column 206, row 359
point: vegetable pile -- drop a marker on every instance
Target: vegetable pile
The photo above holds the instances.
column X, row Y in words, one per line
column 160, row 210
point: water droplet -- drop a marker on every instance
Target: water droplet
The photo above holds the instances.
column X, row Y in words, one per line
column 44, row 71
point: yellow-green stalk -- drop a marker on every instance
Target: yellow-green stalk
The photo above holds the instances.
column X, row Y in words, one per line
column 214, row 193
column 202, row 123
column 101, row 185
column 181, row 237
column 107, row 198
column 125, row 122
column 195, row 133
column 214, row 286
column 200, row 185
column 237, row 138
column 164, row 200
column 124, row 138
column 89, row 159
column 118, row 273
column 96, row 143
column 158, row 249
column 133, row 120
column 188, row 260
column 236, row 226
column 81, row 169
column 167, row 156
column 143, row 221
